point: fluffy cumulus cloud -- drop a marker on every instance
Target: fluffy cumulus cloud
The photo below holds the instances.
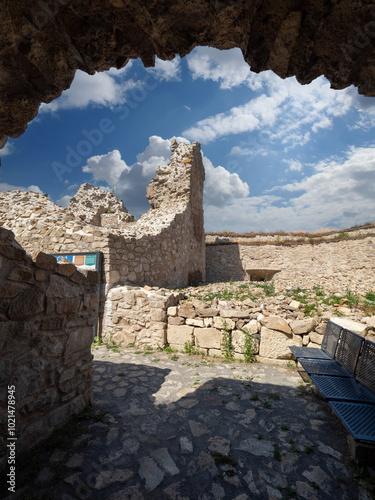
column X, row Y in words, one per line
column 107, row 167
column 227, row 67
column 167, row 70
column 222, row 186
column 340, row 192
column 101, row 89
column 130, row 182
column 284, row 112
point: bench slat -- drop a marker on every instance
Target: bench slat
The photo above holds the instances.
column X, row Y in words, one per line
column 359, row 419
column 323, row 367
column 341, row 388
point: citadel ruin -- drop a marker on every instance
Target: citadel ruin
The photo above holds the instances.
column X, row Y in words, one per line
column 49, row 308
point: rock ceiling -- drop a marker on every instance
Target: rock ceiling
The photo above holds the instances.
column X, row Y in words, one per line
column 43, row 43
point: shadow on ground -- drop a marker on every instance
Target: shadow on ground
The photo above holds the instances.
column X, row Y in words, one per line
column 162, row 429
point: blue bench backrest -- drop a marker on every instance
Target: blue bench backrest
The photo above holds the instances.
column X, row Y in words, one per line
column 331, row 338
column 348, row 350
column 366, row 366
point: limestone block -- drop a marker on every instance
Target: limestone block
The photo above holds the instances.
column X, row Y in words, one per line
column 28, row 303
column 275, row 344
column 207, row 321
column 79, row 339
column 235, row 313
column 176, row 321
column 302, row 326
column 178, row 335
column 66, row 269
column 371, row 322
column 215, row 352
column 220, row 322
column 209, row 338
column 253, row 326
column 23, row 274
column 172, row 311
column 67, row 306
column 305, row 340
column 351, row 325
column 44, row 260
column 208, row 312
column 276, row 323
column 186, row 310
column 59, row 288
column 316, row 338
column 10, row 290
column 195, row 322
column 158, row 314
column 238, row 342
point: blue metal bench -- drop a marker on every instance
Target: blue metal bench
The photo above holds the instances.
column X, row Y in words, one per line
column 328, row 348
column 344, row 387
column 345, row 359
column 359, row 418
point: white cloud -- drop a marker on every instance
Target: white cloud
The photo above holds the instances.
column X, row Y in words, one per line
column 100, row 89
column 64, row 201
column 286, row 111
column 339, row 194
column 294, row 165
column 167, row 70
column 221, row 186
column 10, row 187
column 226, row 67
column 8, row 149
column 107, row 167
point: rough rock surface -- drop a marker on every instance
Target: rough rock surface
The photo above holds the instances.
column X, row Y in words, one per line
column 90, row 202
column 43, row 43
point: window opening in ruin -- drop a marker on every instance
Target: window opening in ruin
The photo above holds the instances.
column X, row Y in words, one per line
column 86, row 260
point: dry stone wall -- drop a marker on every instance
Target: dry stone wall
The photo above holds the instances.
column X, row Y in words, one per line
column 139, row 315
column 340, row 264
column 47, row 313
column 158, row 317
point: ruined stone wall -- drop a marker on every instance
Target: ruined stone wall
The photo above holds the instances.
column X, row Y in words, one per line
column 166, row 247
column 46, row 329
column 139, row 315
column 343, row 264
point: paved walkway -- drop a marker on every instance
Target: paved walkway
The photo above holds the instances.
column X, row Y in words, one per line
column 193, row 428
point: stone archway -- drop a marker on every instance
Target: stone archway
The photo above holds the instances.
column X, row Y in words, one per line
column 43, row 43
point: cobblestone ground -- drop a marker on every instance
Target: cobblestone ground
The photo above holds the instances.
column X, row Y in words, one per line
column 179, row 427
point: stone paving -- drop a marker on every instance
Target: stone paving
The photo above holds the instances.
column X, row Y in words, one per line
column 193, row 428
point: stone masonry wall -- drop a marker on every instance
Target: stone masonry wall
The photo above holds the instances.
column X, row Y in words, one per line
column 345, row 263
column 47, row 312
column 139, row 315
column 158, row 317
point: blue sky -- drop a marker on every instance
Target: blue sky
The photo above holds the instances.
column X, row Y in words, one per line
column 278, row 155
